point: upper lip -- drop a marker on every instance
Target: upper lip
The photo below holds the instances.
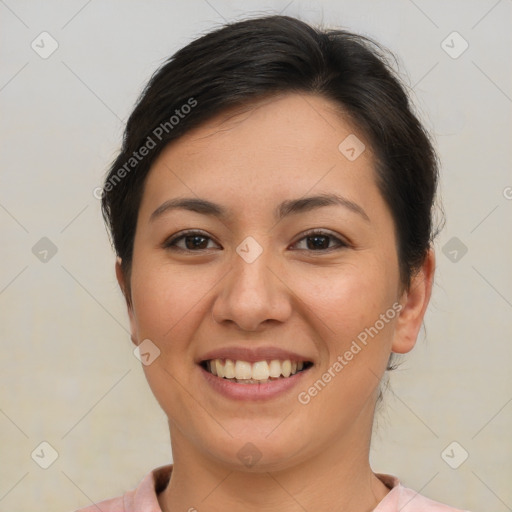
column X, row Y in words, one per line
column 252, row 355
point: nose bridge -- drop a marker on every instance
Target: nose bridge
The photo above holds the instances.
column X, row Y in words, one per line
column 252, row 294
column 252, row 276
column 252, row 273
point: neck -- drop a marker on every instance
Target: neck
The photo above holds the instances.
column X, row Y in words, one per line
column 337, row 478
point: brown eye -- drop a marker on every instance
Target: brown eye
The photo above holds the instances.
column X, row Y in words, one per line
column 320, row 241
column 193, row 241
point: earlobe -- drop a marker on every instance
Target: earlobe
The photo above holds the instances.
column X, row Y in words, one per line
column 414, row 305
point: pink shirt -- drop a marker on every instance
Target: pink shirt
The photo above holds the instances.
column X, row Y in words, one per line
column 144, row 497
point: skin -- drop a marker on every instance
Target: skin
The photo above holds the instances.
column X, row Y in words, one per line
column 314, row 302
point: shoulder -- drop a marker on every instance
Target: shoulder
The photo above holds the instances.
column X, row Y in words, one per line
column 412, row 501
column 403, row 499
column 111, row 505
column 142, row 499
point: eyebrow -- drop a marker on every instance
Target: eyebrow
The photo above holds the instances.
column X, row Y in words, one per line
column 286, row 208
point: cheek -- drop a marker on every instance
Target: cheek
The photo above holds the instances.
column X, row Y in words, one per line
column 166, row 297
column 346, row 299
column 167, row 308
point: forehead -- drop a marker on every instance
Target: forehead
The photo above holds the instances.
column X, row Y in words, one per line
column 292, row 127
column 300, row 122
column 278, row 146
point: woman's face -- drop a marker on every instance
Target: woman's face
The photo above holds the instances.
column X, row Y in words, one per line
column 289, row 254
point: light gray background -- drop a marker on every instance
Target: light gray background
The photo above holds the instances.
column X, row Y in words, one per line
column 67, row 369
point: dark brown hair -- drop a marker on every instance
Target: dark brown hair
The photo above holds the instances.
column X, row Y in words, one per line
column 245, row 60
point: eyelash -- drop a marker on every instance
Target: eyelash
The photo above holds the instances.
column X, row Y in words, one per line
column 172, row 241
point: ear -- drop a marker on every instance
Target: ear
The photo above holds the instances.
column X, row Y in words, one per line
column 414, row 303
column 121, row 279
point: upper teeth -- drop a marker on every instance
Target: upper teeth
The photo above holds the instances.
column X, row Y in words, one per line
column 260, row 370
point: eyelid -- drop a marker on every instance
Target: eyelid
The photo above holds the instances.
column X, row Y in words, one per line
column 169, row 243
column 341, row 241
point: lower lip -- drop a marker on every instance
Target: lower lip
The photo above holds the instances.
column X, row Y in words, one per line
column 264, row 391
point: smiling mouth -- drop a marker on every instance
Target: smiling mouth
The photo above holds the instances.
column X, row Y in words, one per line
column 259, row 372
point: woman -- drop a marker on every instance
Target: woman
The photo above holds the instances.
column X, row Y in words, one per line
column 271, row 210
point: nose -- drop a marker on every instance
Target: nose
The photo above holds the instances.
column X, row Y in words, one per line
column 252, row 295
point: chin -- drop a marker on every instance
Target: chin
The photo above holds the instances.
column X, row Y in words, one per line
column 254, row 450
